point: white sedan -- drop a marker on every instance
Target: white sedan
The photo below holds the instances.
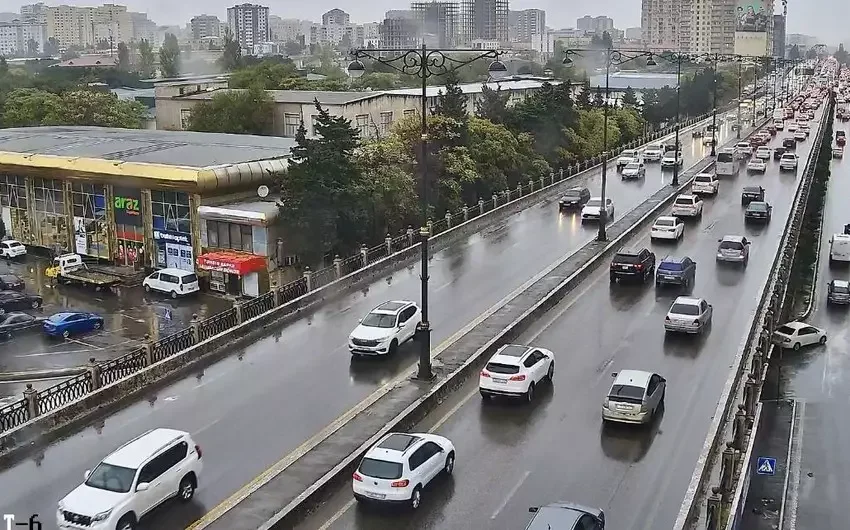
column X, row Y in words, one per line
column 515, row 371
column 756, row 165
column 667, row 227
column 593, row 209
column 800, row 135
column 634, row 170
column 798, row 334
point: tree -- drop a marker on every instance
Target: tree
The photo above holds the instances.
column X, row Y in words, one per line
column 598, row 98
column 811, row 54
column 493, row 105
column 269, row 74
column 323, row 189
column 169, row 56
column 293, row 47
column 607, row 41
column 389, row 185
column 345, row 43
column 30, row 107
column 4, row 66
column 794, row 53
column 123, row 57
column 231, row 58
column 629, row 97
column 51, row 47
column 32, row 47
column 146, row 60
column 841, row 55
column 234, row 111
column 583, row 100
column 451, row 101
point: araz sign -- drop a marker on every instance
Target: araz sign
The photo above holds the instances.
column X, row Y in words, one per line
column 127, row 204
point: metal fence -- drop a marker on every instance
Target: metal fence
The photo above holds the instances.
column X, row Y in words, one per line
column 35, row 403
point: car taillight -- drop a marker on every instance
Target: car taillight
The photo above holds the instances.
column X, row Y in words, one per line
column 520, row 377
column 198, row 450
column 357, row 477
column 640, row 266
column 485, row 373
column 400, row 483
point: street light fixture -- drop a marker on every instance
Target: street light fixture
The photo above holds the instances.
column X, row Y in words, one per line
column 612, row 58
column 425, row 63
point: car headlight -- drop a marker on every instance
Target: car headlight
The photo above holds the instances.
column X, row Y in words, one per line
column 102, row 516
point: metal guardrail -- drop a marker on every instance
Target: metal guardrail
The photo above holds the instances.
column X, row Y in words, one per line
column 35, row 403
column 721, row 501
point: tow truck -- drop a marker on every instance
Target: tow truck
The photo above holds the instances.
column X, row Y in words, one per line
column 69, row 269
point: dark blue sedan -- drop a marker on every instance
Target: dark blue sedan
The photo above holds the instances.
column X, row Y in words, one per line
column 72, row 323
column 676, row 271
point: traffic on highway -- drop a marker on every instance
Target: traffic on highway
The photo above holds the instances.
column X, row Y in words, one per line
column 272, row 377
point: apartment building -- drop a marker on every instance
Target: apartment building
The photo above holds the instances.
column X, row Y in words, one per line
column 659, row 22
column 203, row 26
column 143, row 27
column 526, row 23
column 399, row 29
column 336, row 17
column 595, row 25
column 779, row 36
column 86, row 26
column 286, row 29
column 438, row 22
column 723, row 20
column 483, row 20
column 16, row 37
column 34, row 13
column 249, row 24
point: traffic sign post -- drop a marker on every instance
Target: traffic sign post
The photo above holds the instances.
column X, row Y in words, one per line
column 766, row 465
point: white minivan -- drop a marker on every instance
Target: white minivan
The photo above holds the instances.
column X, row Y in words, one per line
column 839, row 249
column 174, row 282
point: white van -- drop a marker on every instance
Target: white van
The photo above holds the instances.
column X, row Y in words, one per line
column 839, row 248
column 174, row 282
column 726, row 162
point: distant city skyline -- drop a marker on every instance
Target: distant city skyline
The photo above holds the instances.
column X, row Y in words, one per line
column 813, row 18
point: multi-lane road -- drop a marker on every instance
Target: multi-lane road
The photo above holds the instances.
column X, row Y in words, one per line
column 253, row 408
column 511, row 457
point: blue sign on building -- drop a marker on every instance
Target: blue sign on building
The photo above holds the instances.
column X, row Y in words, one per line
column 766, row 465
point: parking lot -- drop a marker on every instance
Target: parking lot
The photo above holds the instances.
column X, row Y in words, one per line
column 128, row 316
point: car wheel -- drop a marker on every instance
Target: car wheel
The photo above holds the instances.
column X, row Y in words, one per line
column 173, row 294
column 128, row 522
column 450, row 463
column 796, row 346
column 147, row 288
column 822, row 340
column 36, row 304
column 393, row 347
column 529, row 394
column 98, row 324
column 551, row 373
column 66, row 334
column 186, row 489
column 416, row 497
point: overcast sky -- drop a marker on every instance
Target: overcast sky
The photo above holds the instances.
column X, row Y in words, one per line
column 813, row 17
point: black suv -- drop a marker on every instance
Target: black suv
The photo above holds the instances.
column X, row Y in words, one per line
column 778, row 152
column 574, row 198
column 751, row 193
column 789, row 144
column 633, row 264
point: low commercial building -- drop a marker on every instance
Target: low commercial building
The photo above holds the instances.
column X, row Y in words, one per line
column 372, row 112
column 147, row 198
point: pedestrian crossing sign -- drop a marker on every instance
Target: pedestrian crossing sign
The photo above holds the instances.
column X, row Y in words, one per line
column 766, row 465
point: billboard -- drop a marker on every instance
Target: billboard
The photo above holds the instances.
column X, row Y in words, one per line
column 751, row 43
column 753, row 16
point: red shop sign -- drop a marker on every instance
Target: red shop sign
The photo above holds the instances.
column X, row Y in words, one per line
column 231, row 262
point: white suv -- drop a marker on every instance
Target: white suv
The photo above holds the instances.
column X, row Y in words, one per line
column 788, row 161
column 705, row 183
column 12, row 249
column 136, row 478
column 653, row 153
column 687, row 206
column 385, row 328
column 515, row 371
column 400, row 466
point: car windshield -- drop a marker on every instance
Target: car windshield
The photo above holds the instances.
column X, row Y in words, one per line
column 629, row 153
column 752, row 191
column 372, row 467
column 633, row 165
column 15, row 244
column 788, row 157
column 731, row 245
column 499, row 368
column 702, row 178
column 379, row 320
column 665, row 222
column 573, row 194
column 785, row 330
column 758, row 206
column 111, row 478
column 685, row 309
column 684, row 201
column 594, row 203
column 840, row 289
column 724, row 157
column 670, row 266
column 627, row 393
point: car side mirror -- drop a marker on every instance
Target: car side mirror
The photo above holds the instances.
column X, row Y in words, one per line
column 360, row 321
column 143, row 486
column 613, row 374
column 86, row 474
column 532, row 509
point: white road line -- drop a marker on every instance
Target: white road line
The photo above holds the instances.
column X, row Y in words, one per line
column 510, row 495
column 452, row 412
column 338, row 515
column 792, row 486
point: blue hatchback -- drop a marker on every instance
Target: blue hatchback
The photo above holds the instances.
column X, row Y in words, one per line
column 72, row 323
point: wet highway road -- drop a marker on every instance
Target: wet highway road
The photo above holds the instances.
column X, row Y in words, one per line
column 250, row 410
column 512, row 456
column 128, row 317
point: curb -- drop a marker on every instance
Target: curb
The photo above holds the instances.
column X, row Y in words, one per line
column 301, row 505
column 35, row 375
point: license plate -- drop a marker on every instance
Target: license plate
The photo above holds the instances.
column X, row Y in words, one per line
column 625, row 267
column 669, row 277
column 624, row 407
column 373, row 495
column 499, row 380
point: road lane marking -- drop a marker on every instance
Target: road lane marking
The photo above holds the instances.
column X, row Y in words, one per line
column 790, row 490
column 511, row 493
column 336, row 517
column 263, row 478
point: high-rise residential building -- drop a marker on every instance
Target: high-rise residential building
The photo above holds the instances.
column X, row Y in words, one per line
column 438, row 22
column 34, row 13
column 88, row 26
column 286, row 29
column 143, row 27
column 22, row 38
column 203, row 26
column 399, row 29
column 779, row 36
column 249, row 24
column 483, row 20
column 659, row 22
column 723, row 20
column 634, row 34
column 336, row 16
column 595, row 25
column 526, row 23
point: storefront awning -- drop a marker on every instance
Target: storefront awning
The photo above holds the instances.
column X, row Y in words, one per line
column 238, row 263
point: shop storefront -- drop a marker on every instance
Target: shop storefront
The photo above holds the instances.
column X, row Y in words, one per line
column 91, row 228
column 15, row 215
column 51, row 221
column 128, row 209
column 231, row 272
column 172, row 230
column 174, row 250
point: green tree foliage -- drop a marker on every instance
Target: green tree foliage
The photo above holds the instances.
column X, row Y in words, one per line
column 248, row 111
column 583, row 99
column 841, row 55
column 146, row 60
column 492, row 105
column 629, row 97
column 598, row 97
column 546, row 115
column 32, row 107
column 280, row 73
column 231, row 58
column 325, row 206
column 451, row 101
column 51, row 47
column 123, row 57
column 293, row 47
column 587, row 139
column 169, row 56
column 32, row 48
